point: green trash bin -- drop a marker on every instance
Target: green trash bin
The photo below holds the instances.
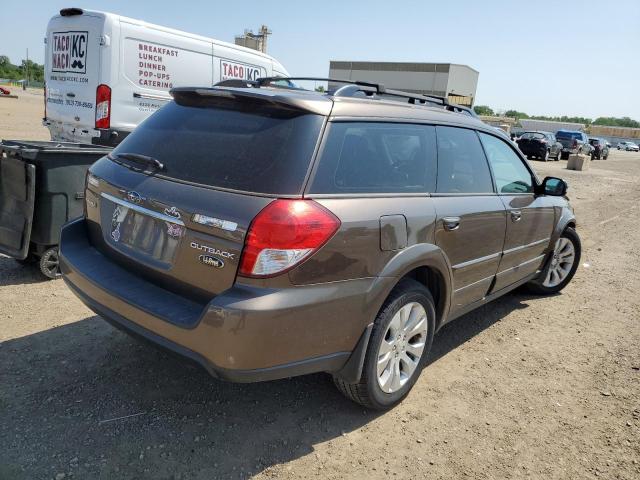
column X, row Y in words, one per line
column 41, row 188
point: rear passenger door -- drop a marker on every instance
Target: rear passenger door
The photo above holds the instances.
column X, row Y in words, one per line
column 530, row 217
column 471, row 219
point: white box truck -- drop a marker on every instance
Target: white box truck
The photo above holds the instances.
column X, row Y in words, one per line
column 106, row 73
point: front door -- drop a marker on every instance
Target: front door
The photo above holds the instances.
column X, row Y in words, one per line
column 530, row 217
column 471, row 218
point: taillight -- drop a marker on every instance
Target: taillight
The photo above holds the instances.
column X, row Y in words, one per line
column 45, row 100
column 103, row 106
column 544, row 140
column 283, row 234
column 575, row 143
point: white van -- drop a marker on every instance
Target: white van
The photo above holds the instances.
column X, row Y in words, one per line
column 106, row 73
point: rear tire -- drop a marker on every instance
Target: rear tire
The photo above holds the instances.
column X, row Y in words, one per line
column 403, row 328
column 558, row 272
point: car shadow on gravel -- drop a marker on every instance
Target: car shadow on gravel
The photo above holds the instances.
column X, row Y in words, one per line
column 462, row 329
column 14, row 273
column 88, row 400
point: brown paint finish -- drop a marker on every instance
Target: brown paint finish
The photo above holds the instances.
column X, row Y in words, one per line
column 469, row 244
column 474, row 248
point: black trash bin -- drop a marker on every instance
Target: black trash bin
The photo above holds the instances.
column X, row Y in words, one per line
column 41, row 188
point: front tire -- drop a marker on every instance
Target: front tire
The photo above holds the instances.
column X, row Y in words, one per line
column 398, row 349
column 561, row 265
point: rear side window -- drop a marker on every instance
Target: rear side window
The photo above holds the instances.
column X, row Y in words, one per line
column 462, row 166
column 239, row 147
column 363, row 157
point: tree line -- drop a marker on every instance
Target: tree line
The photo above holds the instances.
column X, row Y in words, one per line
column 19, row 72
column 607, row 121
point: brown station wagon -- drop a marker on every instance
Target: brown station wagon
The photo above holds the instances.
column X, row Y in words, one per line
column 266, row 231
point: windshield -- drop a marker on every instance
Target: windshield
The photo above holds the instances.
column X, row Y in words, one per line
column 262, row 149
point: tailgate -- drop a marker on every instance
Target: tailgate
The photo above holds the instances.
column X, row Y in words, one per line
column 73, row 69
column 183, row 238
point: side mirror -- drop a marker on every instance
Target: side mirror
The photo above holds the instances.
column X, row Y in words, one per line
column 553, row 186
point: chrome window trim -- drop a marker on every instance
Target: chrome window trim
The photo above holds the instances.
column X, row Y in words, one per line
column 143, row 210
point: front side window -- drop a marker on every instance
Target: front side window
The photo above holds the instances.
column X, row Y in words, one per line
column 462, row 166
column 362, row 157
column 511, row 175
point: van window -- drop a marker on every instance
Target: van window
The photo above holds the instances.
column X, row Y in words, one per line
column 462, row 166
column 242, row 147
column 508, row 169
column 377, row 158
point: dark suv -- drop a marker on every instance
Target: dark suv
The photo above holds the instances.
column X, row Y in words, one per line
column 268, row 232
column 542, row 145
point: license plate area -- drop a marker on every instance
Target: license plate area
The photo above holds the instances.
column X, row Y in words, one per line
column 140, row 233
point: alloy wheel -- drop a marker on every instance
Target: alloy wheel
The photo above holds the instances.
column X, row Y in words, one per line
column 564, row 255
column 402, row 347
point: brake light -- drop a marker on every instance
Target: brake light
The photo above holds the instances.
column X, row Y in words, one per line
column 575, row 143
column 283, row 234
column 45, row 100
column 103, row 106
column 544, row 140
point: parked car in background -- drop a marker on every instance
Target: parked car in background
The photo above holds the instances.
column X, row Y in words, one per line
column 600, row 149
column 628, row 146
column 542, row 145
column 217, row 231
column 573, row 141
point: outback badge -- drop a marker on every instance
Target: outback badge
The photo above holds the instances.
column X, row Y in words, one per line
column 211, row 261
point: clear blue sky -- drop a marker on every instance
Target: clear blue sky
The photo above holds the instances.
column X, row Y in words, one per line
column 542, row 57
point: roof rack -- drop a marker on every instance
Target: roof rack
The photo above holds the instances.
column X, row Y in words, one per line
column 366, row 88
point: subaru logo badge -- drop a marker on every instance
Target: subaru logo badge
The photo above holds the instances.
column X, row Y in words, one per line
column 134, row 197
column 211, row 261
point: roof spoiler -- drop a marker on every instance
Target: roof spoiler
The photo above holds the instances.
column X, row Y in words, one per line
column 70, row 12
column 223, row 96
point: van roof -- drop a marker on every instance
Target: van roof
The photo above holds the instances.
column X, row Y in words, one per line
column 115, row 16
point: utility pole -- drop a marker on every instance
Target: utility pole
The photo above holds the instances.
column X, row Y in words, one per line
column 26, row 83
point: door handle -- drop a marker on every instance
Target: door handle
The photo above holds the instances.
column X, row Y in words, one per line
column 516, row 215
column 451, row 223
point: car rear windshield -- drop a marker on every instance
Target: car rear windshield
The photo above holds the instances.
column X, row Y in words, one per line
column 251, row 148
column 570, row 135
column 531, row 135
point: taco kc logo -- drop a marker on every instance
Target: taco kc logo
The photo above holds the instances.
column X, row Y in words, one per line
column 69, row 52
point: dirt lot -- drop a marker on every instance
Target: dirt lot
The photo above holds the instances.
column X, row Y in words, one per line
column 525, row 387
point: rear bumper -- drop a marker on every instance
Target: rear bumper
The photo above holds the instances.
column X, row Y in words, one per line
column 245, row 334
column 536, row 150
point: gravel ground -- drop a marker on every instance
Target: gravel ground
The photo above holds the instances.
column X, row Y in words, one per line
column 525, row 387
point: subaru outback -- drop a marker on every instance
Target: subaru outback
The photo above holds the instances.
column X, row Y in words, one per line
column 267, row 232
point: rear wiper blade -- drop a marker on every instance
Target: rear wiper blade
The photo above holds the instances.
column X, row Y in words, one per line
column 138, row 158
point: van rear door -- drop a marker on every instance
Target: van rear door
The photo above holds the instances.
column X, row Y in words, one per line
column 73, row 74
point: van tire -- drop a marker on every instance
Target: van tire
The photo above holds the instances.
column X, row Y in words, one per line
column 367, row 391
